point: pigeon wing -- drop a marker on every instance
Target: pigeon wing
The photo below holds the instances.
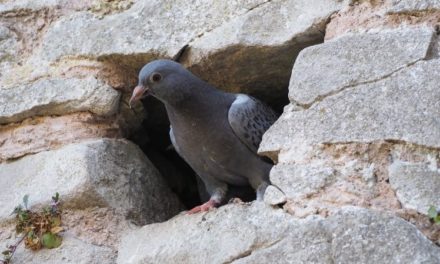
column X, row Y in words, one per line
column 249, row 119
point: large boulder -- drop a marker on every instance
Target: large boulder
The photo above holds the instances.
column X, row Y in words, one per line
column 226, row 39
column 57, row 96
column 105, row 173
column 362, row 102
column 259, row 234
column 361, row 128
column 38, row 134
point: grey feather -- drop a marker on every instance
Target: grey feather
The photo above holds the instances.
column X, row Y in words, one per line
column 173, row 141
column 249, row 119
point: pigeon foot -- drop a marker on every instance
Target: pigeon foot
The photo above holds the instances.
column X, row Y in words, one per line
column 204, row 207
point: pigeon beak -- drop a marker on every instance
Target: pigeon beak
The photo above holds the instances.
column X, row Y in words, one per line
column 138, row 93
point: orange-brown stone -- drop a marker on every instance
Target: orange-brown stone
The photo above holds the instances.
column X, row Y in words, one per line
column 38, row 134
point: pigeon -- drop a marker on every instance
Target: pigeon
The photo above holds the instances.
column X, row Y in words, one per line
column 215, row 132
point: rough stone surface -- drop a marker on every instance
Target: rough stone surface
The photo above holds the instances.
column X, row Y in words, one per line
column 416, row 184
column 258, row 234
column 364, row 16
column 355, row 59
column 301, row 180
column 263, row 42
column 387, row 109
column 407, row 6
column 113, row 173
column 354, row 119
column 157, row 28
column 273, row 196
column 361, row 129
column 8, row 46
column 57, row 96
column 229, row 36
column 148, row 27
column 72, row 250
column 50, row 133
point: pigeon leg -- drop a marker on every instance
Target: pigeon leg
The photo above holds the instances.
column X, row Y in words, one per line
column 216, row 190
column 204, row 207
column 259, row 184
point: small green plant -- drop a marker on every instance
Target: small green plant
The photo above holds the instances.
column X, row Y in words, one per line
column 434, row 214
column 38, row 229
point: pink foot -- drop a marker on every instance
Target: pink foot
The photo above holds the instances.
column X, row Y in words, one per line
column 204, row 207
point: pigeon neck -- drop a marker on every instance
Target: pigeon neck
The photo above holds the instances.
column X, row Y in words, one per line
column 200, row 105
column 196, row 95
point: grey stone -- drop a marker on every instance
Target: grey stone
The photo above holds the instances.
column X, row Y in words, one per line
column 263, row 43
column 148, row 27
column 15, row 6
column 404, row 106
column 274, row 196
column 355, row 59
column 72, row 250
column 9, row 47
column 259, row 234
column 297, row 180
column 107, row 172
column 406, row 6
column 364, row 236
column 416, row 185
column 56, row 97
column 228, row 39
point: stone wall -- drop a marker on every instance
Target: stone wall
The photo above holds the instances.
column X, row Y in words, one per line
column 356, row 148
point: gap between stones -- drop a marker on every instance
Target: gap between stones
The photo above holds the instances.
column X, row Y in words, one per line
column 153, row 134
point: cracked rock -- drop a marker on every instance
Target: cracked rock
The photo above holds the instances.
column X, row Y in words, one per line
column 261, row 38
column 402, row 107
column 300, row 180
column 407, row 6
column 273, row 196
column 260, row 234
column 355, row 59
column 416, row 185
column 56, row 97
column 106, row 173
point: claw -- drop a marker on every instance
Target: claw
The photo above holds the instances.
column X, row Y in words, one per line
column 204, row 207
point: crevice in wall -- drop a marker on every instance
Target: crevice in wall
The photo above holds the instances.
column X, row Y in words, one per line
column 248, row 69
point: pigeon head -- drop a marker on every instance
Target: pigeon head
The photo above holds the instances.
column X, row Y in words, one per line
column 166, row 80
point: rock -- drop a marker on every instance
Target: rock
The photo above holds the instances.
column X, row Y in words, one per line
column 407, row 6
column 109, row 173
column 227, row 40
column 263, row 43
column 15, row 6
column 376, row 16
column 300, row 180
column 72, row 250
column 355, row 59
column 8, row 48
column 56, row 97
column 416, row 185
column 259, row 234
column 146, row 28
column 386, row 238
column 387, row 109
column 273, row 196
column 45, row 133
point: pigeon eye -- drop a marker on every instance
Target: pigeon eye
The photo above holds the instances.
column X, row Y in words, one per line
column 156, row 77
